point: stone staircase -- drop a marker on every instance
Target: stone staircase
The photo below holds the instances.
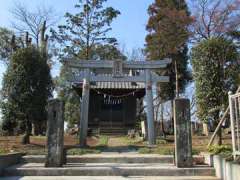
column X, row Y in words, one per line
column 118, row 165
column 113, row 129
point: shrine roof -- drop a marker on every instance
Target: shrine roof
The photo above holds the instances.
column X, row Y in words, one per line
column 117, row 85
column 113, row 85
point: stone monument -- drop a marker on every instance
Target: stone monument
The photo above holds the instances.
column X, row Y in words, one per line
column 55, row 134
column 182, row 133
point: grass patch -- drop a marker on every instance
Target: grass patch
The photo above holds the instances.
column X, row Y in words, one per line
column 130, row 141
column 101, row 145
column 33, row 150
column 196, row 151
column 103, row 141
column 157, row 150
column 161, row 141
column 3, row 151
column 38, row 137
column 162, row 150
column 223, row 150
column 82, row 151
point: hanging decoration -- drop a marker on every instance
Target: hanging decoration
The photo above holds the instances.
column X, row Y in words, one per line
column 117, row 96
column 111, row 99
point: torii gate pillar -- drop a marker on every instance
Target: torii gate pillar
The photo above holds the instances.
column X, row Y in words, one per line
column 150, row 115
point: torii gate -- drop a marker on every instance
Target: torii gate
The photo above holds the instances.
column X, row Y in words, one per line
column 118, row 68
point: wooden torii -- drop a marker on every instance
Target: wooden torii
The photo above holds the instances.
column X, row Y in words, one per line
column 118, row 68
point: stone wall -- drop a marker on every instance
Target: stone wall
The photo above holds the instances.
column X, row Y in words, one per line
column 225, row 170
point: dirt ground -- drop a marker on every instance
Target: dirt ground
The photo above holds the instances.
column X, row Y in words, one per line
column 37, row 145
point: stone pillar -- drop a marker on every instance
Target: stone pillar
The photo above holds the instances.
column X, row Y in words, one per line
column 150, row 115
column 182, row 133
column 55, row 134
column 84, row 109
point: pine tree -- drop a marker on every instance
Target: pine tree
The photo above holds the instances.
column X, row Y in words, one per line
column 85, row 29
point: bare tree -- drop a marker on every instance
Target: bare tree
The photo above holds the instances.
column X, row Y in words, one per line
column 215, row 18
column 136, row 54
column 33, row 21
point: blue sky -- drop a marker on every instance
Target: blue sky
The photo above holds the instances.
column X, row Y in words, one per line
column 128, row 28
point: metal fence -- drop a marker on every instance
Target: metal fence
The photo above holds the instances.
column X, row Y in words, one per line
column 234, row 104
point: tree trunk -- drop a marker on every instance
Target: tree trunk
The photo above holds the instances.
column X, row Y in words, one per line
column 172, row 118
column 145, row 129
column 162, row 121
column 26, row 136
column 38, row 128
column 205, row 129
column 177, row 83
column 219, row 137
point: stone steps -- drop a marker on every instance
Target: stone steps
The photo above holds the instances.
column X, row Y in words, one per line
column 117, row 166
column 114, row 158
column 112, row 178
column 113, row 130
column 108, row 169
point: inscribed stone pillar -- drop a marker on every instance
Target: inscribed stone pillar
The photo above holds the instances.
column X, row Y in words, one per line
column 150, row 115
column 84, row 109
column 55, row 134
column 182, row 132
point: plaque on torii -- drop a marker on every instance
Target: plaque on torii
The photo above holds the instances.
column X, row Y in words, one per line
column 147, row 75
column 117, row 70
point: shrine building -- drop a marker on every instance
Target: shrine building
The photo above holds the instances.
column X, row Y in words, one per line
column 113, row 106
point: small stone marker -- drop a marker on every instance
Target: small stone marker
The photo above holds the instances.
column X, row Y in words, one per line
column 55, row 134
column 182, row 133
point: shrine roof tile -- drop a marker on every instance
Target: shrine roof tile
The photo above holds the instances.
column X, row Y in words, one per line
column 117, row 85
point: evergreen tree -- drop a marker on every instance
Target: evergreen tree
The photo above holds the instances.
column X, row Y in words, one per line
column 26, row 88
column 72, row 110
column 216, row 71
column 8, row 44
column 5, row 43
column 85, row 29
column 168, row 35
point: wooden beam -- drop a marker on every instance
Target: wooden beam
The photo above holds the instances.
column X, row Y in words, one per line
column 106, row 64
column 104, row 78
